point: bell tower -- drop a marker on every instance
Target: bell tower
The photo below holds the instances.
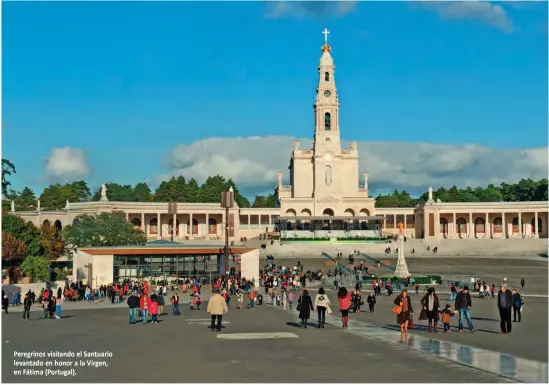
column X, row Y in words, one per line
column 326, row 107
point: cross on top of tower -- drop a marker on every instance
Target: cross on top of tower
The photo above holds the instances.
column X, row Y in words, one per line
column 325, row 33
column 326, row 47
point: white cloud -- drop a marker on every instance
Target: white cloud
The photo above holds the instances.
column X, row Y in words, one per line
column 253, row 162
column 66, row 164
column 314, row 9
column 481, row 11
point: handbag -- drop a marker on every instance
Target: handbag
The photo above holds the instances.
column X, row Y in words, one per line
column 298, row 307
column 329, row 310
column 397, row 310
column 411, row 323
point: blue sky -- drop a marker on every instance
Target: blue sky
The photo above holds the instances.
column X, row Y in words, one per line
column 107, row 91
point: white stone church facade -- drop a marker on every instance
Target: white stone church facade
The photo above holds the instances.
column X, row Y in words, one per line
column 324, row 196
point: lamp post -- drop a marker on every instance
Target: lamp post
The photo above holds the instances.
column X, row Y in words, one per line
column 227, row 202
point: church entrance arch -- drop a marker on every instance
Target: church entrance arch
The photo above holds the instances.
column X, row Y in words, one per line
column 290, row 223
column 328, row 213
column 305, row 223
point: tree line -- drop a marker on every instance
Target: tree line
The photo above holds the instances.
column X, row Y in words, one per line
column 526, row 190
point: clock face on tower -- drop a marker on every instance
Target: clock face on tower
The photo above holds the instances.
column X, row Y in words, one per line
column 327, row 93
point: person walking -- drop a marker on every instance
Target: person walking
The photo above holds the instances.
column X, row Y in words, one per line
column 431, row 307
column 517, row 305
column 403, row 316
column 58, row 307
column 305, row 305
column 322, row 304
column 133, row 305
column 505, row 303
column 27, row 303
column 217, row 306
column 522, row 282
column 153, row 309
column 175, row 304
column 344, row 300
column 463, row 307
column 371, row 301
column 5, row 302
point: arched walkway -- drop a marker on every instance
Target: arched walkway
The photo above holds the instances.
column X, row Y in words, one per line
column 291, row 213
column 306, row 213
column 516, row 225
column 480, row 226
column 461, row 224
column 195, row 227
column 170, row 226
column 46, row 223
column 364, row 212
column 533, row 225
column 153, row 224
column 497, row 226
column 328, row 212
column 305, row 223
column 136, row 222
column 444, row 227
column 212, row 226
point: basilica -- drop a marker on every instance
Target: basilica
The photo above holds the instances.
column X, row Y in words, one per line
column 326, row 197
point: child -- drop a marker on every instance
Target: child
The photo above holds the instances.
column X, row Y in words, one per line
column 446, row 315
column 240, row 298
column 58, row 307
column 153, row 309
column 290, row 299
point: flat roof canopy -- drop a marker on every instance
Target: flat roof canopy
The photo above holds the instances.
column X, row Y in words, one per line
column 179, row 250
column 327, row 218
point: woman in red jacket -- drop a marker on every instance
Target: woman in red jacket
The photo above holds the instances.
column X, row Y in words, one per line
column 144, row 305
column 344, row 299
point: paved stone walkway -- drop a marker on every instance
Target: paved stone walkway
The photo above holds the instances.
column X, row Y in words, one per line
column 501, row 364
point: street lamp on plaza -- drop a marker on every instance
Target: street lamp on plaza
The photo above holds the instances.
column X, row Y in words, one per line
column 227, row 202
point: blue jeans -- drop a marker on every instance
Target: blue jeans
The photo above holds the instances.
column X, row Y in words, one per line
column 453, row 296
column 133, row 315
column 175, row 309
column 251, row 304
column 145, row 315
column 154, row 318
column 467, row 313
column 58, row 310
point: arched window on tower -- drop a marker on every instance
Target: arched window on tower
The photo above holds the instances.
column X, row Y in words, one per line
column 327, row 121
column 326, row 76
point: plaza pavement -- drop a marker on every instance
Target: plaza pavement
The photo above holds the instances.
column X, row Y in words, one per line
column 179, row 349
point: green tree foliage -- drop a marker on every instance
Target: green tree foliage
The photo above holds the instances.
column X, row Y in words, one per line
column 7, row 170
column 142, row 192
column 104, row 229
column 55, row 196
column 25, row 232
column 526, row 190
column 117, row 193
column 36, row 268
column 25, row 200
column 261, row 201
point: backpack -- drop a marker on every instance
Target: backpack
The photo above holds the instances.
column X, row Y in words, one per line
column 518, row 301
column 446, row 317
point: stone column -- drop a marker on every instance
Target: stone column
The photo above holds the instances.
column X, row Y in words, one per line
column 454, row 226
column 504, row 225
column 437, row 225
column 425, row 225
column 191, row 227
column 404, row 223
column 174, row 226
column 536, row 225
column 487, row 227
column 520, row 224
column 159, row 227
column 470, row 231
column 143, row 225
column 207, row 224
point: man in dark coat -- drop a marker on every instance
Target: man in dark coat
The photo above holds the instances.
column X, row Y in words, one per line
column 463, row 307
column 505, row 303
